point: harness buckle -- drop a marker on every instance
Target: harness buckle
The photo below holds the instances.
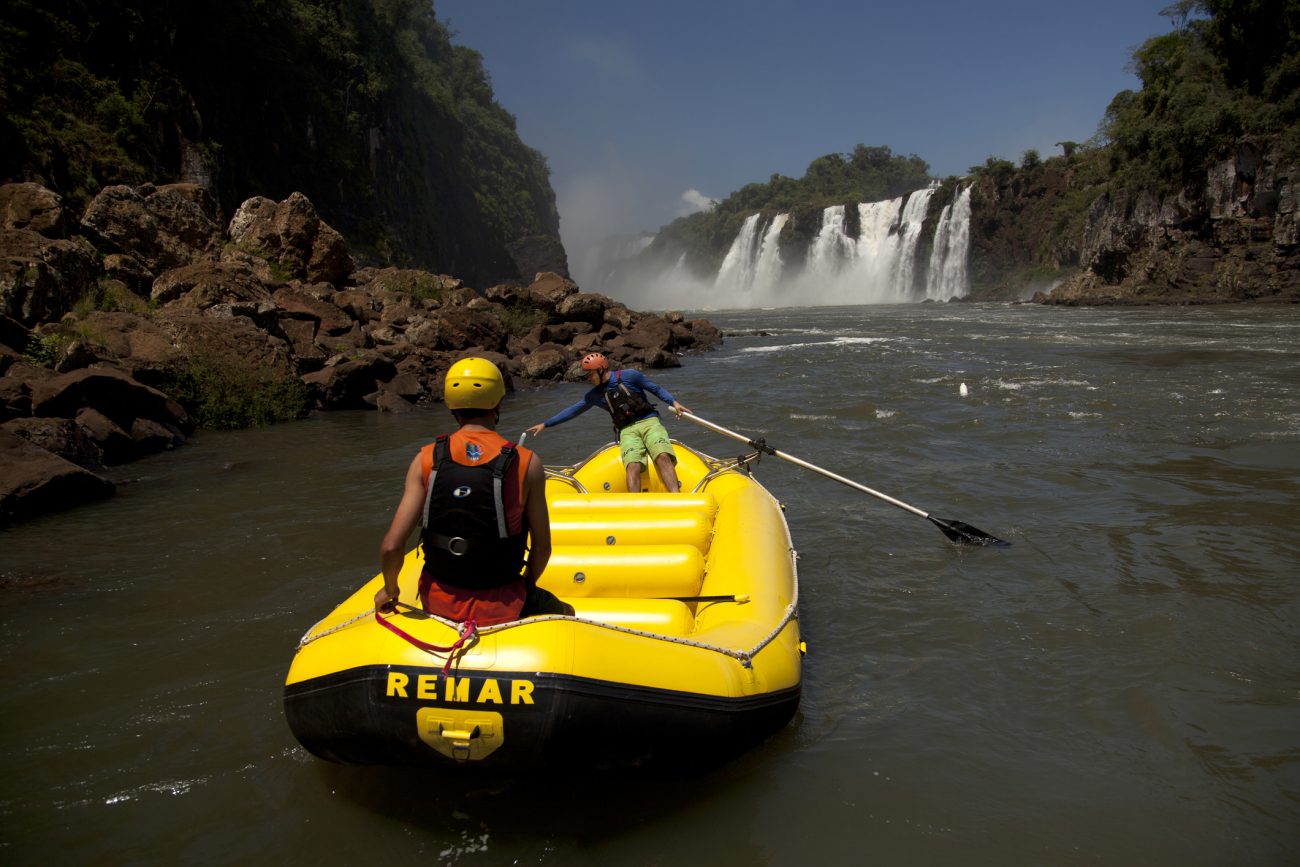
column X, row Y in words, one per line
column 458, row 546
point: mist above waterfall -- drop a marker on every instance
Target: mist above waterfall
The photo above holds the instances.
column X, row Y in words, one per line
column 878, row 257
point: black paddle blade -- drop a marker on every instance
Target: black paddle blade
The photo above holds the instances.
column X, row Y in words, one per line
column 968, row 535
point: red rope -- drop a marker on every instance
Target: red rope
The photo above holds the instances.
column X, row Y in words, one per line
column 470, row 627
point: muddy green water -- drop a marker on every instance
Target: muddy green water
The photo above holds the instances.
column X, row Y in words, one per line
column 1122, row 686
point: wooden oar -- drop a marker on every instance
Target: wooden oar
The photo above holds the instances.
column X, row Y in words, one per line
column 954, row 530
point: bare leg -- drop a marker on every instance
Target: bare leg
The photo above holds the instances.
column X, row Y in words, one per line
column 668, row 472
column 634, row 478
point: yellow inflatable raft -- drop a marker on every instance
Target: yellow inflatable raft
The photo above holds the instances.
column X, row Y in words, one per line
column 684, row 649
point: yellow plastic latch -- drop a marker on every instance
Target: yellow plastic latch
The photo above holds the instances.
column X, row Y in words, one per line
column 463, row 735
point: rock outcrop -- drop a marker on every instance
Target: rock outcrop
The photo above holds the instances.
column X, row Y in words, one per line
column 34, row 480
column 1234, row 239
column 98, row 316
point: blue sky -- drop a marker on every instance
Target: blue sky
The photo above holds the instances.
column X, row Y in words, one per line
column 638, row 105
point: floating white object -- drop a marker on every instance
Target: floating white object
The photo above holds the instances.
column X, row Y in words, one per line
column 963, row 390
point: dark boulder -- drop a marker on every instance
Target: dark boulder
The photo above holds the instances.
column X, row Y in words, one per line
column 31, row 206
column 221, row 342
column 34, row 481
column 346, row 384
column 588, row 307
column 549, row 289
column 703, row 335
column 161, row 227
column 506, row 294
column 16, row 388
column 545, row 364
column 208, row 283
column 61, row 436
column 298, row 302
column 291, row 238
column 14, row 334
column 457, row 329
column 41, row 278
column 130, row 272
column 651, row 333
column 111, row 392
column 116, row 445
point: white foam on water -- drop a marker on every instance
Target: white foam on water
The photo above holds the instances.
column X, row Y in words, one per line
column 164, row 787
column 469, row 844
column 850, row 341
column 784, row 347
column 1039, row 383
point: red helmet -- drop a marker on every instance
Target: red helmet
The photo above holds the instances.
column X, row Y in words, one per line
column 595, row 361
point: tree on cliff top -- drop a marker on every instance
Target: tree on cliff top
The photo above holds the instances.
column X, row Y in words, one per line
column 1212, row 80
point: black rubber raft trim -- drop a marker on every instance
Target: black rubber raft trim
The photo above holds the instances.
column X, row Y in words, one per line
column 349, row 717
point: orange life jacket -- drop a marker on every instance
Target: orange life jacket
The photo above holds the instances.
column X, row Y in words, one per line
column 474, row 527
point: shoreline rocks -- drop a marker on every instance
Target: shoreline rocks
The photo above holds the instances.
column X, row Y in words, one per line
column 98, row 316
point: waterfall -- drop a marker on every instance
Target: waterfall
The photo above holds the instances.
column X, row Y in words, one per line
column 877, row 249
column 831, row 250
column 948, row 278
column 909, row 231
column 767, row 272
column 939, row 253
column 737, row 272
column 878, row 266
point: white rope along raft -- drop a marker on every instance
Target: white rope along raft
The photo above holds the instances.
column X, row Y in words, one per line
column 744, row 657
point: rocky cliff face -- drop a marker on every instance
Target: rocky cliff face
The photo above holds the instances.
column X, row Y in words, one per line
column 1023, row 236
column 366, row 107
column 1061, row 233
column 1234, row 239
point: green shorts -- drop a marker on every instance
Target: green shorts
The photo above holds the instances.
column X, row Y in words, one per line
column 643, row 437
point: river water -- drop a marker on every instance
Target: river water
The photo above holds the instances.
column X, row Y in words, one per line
column 1120, row 686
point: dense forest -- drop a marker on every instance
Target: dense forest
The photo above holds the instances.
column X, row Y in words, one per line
column 365, row 106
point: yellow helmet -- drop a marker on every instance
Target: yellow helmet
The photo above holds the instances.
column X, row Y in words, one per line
column 473, row 383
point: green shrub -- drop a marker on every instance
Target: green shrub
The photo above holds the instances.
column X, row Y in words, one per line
column 109, row 296
column 46, row 349
column 426, row 287
column 522, row 318
column 222, row 391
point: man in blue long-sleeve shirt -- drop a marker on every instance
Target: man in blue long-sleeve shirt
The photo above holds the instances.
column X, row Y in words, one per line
column 621, row 393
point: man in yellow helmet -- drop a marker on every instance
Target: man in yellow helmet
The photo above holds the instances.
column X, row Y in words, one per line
column 479, row 499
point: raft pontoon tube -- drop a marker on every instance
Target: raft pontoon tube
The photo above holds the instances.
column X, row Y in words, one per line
column 684, row 649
